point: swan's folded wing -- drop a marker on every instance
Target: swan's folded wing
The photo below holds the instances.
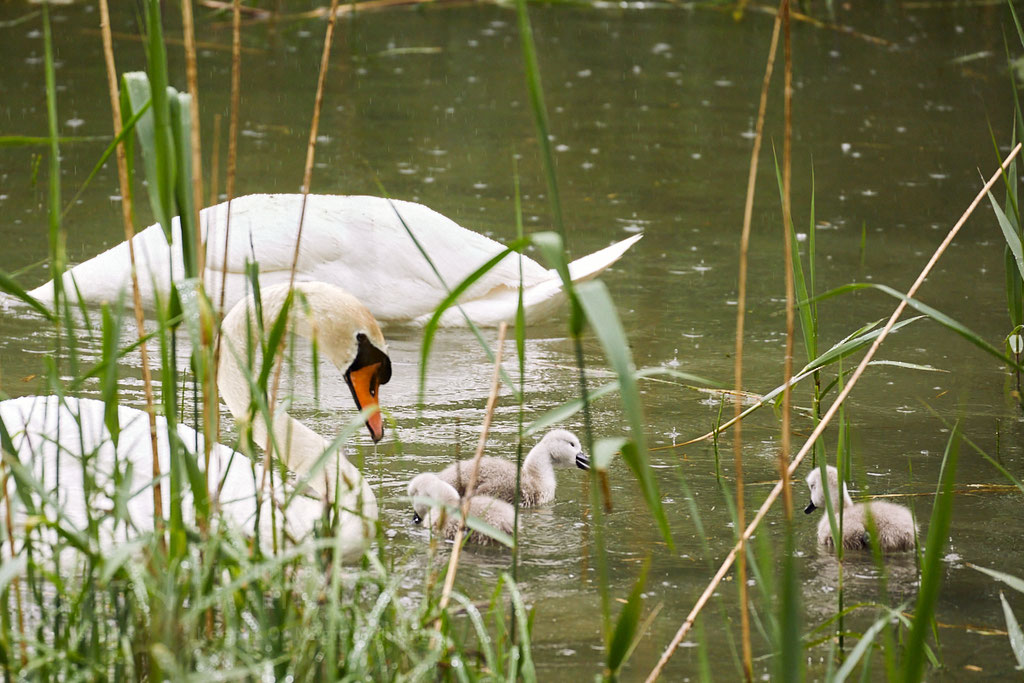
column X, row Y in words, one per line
column 540, row 300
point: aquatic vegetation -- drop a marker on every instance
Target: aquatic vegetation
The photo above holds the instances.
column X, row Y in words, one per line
column 196, row 597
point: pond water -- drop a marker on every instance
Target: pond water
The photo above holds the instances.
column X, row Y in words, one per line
column 652, row 111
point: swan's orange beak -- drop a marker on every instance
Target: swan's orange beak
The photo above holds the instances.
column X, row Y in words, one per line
column 364, row 383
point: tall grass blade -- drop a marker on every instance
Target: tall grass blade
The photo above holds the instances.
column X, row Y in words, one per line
column 474, row 276
column 858, row 651
column 1010, row 234
column 126, row 131
column 566, row 410
column 521, row 359
column 1009, row 579
column 932, row 570
column 626, row 625
column 936, row 315
column 58, row 257
column 111, row 336
column 604, row 320
column 790, row 622
column 1014, row 632
column 540, row 112
column 10, row 286
column 160, row 140
column 525, row 667
column 11, row 569
column 805, row 303
column 181, row 125
column 430, row 329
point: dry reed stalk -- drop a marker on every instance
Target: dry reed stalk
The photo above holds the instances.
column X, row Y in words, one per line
column 169, row 40
column 307, row 179
column 129, row 233
column 817, row 23
column 236, row 88
column 741, row 300
column 210, row 407
column 826, row 418
column 787, row 221
column 215, row 160
column 492, row 401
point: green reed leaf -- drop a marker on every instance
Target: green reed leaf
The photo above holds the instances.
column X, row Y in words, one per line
column 430, row 330
column 525, row 667
column 605, row 450
column 626, row 625
column 1013, row 240
column 604, row 320
column 936, row 315
column 184, row 206
column 126, row 130
column 865, row 642
column 136, row 86
column 10, row 286
column 1010, row 580
column 1014, row 632
column 931, row 568
column 108, row 382
column 540, row 112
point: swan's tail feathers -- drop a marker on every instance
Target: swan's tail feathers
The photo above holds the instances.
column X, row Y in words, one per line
column 540, row 300
column 586, row 267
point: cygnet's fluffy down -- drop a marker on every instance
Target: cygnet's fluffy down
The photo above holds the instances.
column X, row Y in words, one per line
column 497, row 476
column 445, row 521
column 894, row 526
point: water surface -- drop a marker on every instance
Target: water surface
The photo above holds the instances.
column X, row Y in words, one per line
column 651, row 115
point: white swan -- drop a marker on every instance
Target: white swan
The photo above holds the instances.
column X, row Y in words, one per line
column 894, row 524
column 497, row 476
column 47, row 434
column 356, row 242
column 438, row 515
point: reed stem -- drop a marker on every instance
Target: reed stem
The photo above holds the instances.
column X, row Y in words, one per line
column 787, row 221
column 741, row 301
column 307, row 179
column 236, row 75
column 492, row 402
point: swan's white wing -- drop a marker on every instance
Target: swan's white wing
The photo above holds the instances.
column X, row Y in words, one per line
column 361, row 244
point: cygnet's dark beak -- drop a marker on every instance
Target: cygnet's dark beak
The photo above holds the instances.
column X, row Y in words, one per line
column 582, row 461
column 416, row 519
column 810, row 508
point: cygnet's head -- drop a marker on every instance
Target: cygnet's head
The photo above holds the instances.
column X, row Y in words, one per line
column 565, row 449
column 818, row 491
column 439, row 492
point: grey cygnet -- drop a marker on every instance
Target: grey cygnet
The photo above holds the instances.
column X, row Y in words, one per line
column 497, row 476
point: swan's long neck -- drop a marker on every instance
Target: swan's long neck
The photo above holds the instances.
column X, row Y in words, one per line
column 297, row 446
column 539, row 461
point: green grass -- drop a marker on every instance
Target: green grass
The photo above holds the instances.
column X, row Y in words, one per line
column 195, row 596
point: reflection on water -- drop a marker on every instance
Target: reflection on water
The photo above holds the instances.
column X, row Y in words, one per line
column 651, row 115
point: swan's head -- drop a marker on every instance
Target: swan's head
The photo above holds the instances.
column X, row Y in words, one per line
column 565, row 449
column 818, row 491
column 352, row 339
column 345, row 331
column 429, row 493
